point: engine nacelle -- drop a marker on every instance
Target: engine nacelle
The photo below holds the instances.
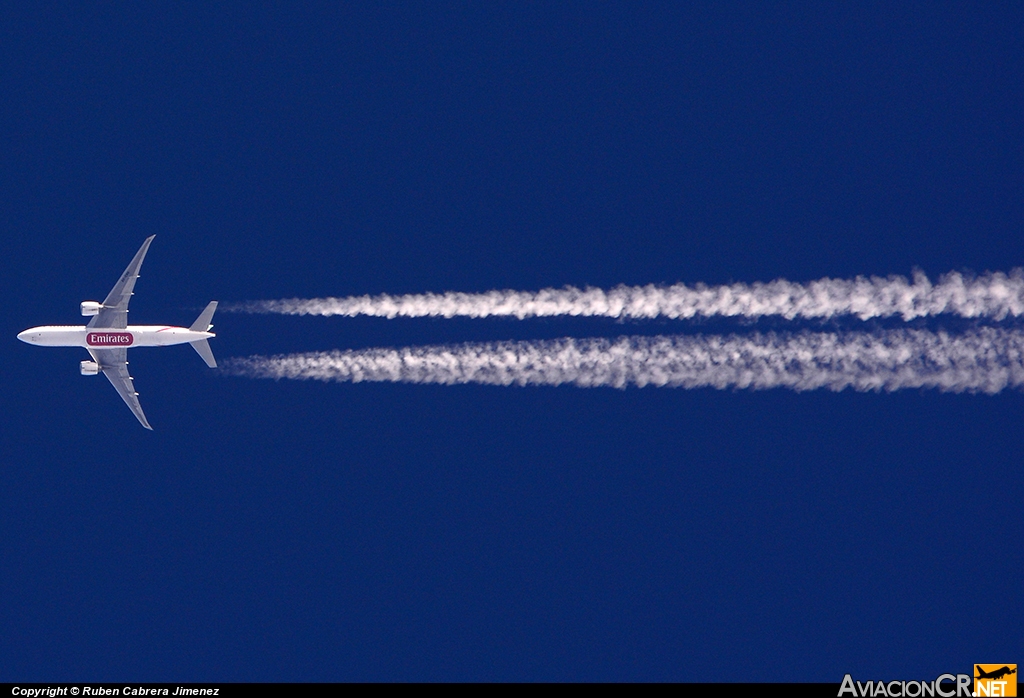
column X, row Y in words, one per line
column 90, row 368
column 90, row 308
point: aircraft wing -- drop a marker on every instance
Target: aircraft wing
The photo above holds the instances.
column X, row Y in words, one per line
column 114, row 313
column 114, row 364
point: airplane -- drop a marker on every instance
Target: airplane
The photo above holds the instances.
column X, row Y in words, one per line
column 995, row 673
column 108, row 335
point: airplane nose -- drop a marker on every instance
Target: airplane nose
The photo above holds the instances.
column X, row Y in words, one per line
column 24, row 336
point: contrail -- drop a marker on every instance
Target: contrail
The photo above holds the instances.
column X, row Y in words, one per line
column 992, row 295
column 985, row 360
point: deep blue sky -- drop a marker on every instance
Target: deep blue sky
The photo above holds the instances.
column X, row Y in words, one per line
column 299, row 531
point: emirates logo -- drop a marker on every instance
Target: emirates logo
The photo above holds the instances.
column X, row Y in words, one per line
column 109, row 339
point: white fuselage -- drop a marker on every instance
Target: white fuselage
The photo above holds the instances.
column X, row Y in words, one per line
column 95, row 338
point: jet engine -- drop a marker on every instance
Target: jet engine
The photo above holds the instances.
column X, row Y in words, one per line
column 90, row 368
column 91, row 308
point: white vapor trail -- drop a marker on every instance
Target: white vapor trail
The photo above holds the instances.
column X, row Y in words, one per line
column 992, row 295
column 983, row 360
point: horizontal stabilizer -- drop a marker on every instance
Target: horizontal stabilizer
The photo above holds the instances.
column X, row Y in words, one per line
column 202, row 323
column 202, row 348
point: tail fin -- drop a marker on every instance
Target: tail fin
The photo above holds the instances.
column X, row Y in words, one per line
column 202, row 348
column 202, row 323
